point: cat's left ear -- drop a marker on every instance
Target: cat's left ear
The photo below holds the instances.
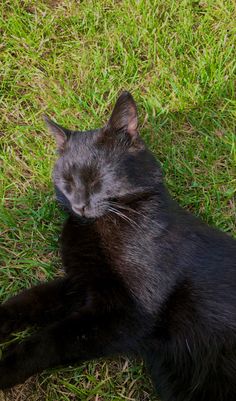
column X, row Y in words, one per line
column 124, row 116
column 61, row 134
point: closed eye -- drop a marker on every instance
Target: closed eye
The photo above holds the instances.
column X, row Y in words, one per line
column 67, row 184
column 95, row 185
column 113, row 199
column 68, row 187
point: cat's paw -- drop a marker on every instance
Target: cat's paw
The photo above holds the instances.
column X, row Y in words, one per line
column 7, row 379
column 5, row 383
column 12, row 370
column 6, row 323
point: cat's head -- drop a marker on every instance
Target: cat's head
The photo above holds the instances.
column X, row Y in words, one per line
column 99, row 168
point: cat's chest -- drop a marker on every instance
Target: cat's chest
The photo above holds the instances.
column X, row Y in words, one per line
column 132, row 254
column 116, row 239
column 110, row 249
column 128, row 245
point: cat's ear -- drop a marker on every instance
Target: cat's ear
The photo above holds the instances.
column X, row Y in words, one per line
column 124, row 116
column 61, row 134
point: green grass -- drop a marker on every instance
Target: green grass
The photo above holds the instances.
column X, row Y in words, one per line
column 71, row 59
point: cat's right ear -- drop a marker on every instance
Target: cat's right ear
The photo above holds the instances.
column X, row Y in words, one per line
column 124, row 116
column 60, row 133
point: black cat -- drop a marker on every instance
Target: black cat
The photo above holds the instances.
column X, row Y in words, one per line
column 143, row 276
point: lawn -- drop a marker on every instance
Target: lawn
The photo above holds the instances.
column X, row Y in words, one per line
column 70, row 59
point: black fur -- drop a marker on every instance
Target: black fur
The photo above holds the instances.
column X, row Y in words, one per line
column 142, row 276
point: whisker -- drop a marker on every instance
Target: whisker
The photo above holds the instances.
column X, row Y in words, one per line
column 129, row 209
column 123, row 216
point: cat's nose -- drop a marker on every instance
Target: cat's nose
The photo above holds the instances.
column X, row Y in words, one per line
column 79, row 209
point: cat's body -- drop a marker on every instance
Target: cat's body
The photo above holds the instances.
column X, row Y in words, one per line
column 143, row 276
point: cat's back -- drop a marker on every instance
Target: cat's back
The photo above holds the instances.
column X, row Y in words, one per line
column 209, row 251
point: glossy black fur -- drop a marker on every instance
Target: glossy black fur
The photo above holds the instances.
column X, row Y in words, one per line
column 154, row 282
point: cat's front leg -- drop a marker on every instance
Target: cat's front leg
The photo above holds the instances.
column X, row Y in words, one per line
column 38, row 305
column 73, row 340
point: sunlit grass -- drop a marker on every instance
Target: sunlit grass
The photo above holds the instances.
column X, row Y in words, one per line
column 71, row 59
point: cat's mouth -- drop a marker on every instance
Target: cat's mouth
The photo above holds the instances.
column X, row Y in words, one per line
column 83, row 218
column 80, row 210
